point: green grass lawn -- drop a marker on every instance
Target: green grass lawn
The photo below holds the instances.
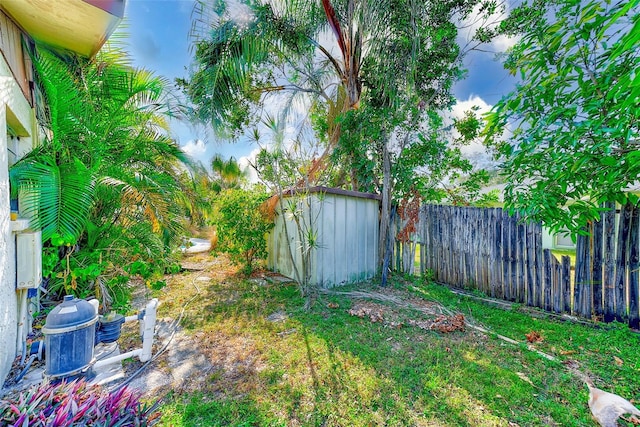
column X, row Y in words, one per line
column 327, row 367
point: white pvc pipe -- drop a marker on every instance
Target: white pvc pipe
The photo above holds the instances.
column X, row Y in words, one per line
column 118, row 358
column 147, row 330
column 131, row 318
column 149, row 325
column 21, row 339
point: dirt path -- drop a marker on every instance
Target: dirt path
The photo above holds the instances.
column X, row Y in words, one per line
column 185, row 362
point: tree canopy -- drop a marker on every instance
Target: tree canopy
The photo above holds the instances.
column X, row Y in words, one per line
column 569, row 134
column 402, row 57
column 376, row 76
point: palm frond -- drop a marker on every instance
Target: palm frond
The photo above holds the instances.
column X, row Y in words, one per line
column 57, row 198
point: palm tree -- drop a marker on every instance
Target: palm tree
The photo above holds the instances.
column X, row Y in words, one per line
column 228, row 172
column 285, row 38
column 401, row 56
column 107, row 168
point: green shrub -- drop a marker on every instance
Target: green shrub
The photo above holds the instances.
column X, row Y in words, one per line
column 104, row 265
column 77, row 404
column 241, row 226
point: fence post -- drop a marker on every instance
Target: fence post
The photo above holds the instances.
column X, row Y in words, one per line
column 609, row 275
column 634, row 265
column 622, row 260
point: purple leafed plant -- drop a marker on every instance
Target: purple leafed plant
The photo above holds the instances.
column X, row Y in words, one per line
column 77, row 403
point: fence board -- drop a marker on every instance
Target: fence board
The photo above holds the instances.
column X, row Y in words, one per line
column 547, row 281
column 622, row 259
column 466, row 279
column 597, row 270
column 471, row 221
column 565, row 279
column 609, row 262
column 582, row 288
column 497, row 259
column 488, row 250
column 529, row 265
column 513, row 255
column 634, row 265
column 538, row 263
column 506, row 252
column 520, row 259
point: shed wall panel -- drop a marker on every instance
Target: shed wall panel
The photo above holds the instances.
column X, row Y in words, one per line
column 347, row 230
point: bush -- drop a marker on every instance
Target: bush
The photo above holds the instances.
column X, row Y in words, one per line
column 77, row 404
column 104, row 264
column 241, row 226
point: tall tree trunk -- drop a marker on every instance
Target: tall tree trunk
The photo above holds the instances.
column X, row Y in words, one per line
column 385, row 211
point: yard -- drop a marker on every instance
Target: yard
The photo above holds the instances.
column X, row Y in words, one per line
column 399, row 357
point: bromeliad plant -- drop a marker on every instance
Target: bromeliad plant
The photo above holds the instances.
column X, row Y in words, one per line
column 77, row 404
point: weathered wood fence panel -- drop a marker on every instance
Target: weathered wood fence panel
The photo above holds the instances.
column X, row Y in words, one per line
column 500, row 255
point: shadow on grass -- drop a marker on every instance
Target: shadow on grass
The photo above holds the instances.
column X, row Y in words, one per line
column 324, row 367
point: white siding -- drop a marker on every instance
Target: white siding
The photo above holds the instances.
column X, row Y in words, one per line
column 15, row 109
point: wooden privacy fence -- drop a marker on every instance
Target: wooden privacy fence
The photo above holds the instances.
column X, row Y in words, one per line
column 500, row 255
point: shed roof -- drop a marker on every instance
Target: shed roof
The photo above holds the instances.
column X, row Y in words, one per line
column 331, row 190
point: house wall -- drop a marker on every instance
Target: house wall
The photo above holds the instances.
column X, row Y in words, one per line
column 556, row 240
column 347, row 229
column 16, row 60
column 17, row 118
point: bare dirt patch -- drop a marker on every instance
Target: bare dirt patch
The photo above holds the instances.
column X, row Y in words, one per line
column 396, row 310
column 216, row 362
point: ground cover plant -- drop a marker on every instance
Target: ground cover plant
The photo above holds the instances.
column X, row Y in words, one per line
column 78, row 404
column 395, row 356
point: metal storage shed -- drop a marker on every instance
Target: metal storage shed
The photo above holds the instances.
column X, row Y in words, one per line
column 346, row 224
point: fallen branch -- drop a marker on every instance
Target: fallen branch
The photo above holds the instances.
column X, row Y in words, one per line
column 443, row 310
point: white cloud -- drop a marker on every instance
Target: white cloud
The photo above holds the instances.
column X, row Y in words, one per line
column 475, row 21
column 245, row 163
column 474, row 101
column 195, row 148
column 503, row 43
column 240, row 13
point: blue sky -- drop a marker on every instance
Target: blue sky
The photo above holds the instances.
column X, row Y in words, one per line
column 159, row 41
